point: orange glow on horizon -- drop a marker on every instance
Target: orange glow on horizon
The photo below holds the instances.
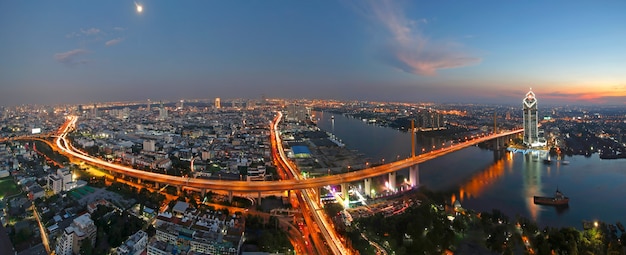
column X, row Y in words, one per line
column 593, row 93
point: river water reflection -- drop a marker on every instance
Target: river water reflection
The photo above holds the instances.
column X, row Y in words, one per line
column 481, row 182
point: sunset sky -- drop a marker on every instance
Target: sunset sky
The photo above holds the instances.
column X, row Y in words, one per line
column 568, row 52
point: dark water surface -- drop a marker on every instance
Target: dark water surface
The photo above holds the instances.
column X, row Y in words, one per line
column 596, row 188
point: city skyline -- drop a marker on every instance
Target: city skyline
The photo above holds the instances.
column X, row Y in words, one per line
column 488, row 52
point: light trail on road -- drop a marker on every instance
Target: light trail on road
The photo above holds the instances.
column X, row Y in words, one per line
column 298, row 183
column 63, row 145
column 327, row 230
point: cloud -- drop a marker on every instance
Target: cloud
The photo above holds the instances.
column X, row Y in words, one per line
column 90, row 31
column 598, row 97
column 72, row 35
column 70, row 58
column 408, row 49
column 113, row 41
column 119, row 28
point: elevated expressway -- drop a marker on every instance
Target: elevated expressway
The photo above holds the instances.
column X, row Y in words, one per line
column 64, row 146
column 308, row 197
column 307, row 186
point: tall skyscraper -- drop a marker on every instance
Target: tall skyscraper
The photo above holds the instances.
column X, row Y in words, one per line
column 162, row 111
column 218, row 104
column 148, row 106
column 531, row 131
column 82, row 229
column 94, row 111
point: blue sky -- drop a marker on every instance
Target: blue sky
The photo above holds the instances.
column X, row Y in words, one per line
column 437, row 51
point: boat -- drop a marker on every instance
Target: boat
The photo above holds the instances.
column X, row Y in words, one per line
column 547, row 160
column 565, row 162
column 558, row 199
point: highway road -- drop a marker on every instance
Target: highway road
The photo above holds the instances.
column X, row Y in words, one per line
column 64, row 146
column 306, row 186
column 286, row 171
column 325, row 227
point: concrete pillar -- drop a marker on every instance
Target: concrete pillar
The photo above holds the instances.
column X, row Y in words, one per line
column 412, row 138
column 414, row 176
column 156, row 185
column 367, row 187
column 203, row 192
column 497, row 155
column 345, row 194
column 178, row 190
column 259, row 198
column 392, row 181
column 230, row 196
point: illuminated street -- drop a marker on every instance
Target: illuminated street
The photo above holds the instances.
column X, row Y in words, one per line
column 242, row 186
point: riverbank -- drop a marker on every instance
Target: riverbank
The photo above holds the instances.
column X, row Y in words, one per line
column 482, row 180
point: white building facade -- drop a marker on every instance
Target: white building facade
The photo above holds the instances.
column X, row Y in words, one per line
column 531, row 127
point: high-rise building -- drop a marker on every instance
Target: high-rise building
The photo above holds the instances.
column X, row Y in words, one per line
column 162, row 112
column 148, row 106
column 135, row 245
column 94, row 111
column 61, row 181
column 65, row 241
column 218, row 104
column 149, row 145
column 531, row 130
column 81, row 230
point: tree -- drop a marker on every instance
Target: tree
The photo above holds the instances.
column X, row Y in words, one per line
column 115, row 236
column 193, row 202
column 273, row 222
column 333, row 209
column 151, row 231
column 172, row 204
column 86, row 248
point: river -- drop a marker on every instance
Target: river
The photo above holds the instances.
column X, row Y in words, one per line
column 483, row 182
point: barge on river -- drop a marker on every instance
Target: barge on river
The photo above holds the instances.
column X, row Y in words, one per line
column 558, row 199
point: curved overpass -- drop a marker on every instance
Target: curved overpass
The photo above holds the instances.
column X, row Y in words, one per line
column 243, row 186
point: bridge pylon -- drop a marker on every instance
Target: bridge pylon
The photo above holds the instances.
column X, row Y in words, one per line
column 412, row 138
column 345, row 194
column 367, row 187
column 392, row 181
column 414, row 176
